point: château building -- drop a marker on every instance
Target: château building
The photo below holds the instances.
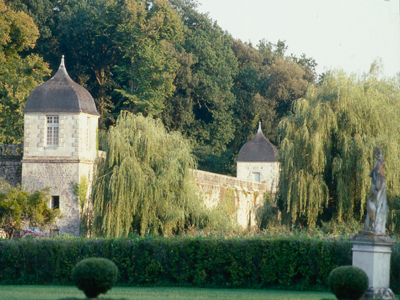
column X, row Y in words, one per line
column 59, row 150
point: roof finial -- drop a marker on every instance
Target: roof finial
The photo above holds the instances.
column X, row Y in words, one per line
column 259, row 128
column 62, row 65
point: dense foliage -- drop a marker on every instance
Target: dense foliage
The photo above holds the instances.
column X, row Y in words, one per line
column 257, row 263
column 18, row 74
column 144, row 184
column 19, row 209
column 165, row 59
column 348, row 282
column 95, row 276
column 327, row 149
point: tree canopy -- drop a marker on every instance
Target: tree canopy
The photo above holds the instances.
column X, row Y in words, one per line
column 327, row 145
column 18, row 75
column 144, row 184
column 165, row 59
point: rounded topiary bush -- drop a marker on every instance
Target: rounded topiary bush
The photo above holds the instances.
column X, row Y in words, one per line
column 348, row 282
column 95, row 276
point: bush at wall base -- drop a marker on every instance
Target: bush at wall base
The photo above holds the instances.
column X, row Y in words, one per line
column 95, row 276
column 348, row 282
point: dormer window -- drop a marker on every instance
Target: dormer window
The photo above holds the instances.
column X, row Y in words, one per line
column 52, row 131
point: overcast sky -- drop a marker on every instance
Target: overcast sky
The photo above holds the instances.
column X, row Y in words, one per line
column 346, row 34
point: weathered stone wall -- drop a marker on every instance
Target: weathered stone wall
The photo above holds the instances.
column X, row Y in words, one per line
column 58, row 167
column 77, row 135
column 10, row 163
column 244, row 197
column 269, row 172
column 58, row 176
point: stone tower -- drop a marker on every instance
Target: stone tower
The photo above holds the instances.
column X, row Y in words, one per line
column 257, row 161
column 60, row 126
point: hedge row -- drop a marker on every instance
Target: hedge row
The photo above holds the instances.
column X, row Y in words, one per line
column 298, row 264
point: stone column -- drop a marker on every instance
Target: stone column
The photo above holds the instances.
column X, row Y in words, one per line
column 371, row 253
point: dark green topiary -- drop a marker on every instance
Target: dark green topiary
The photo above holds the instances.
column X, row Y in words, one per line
column 348, row 282
column 95, row 276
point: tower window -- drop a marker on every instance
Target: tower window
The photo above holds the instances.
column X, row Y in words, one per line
column 256, row 176
column 88, row 137
column 52, row 130
column 55, row 202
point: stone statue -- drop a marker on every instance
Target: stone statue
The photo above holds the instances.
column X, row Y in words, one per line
column 377, row 206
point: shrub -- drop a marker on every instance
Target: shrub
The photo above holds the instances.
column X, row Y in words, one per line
column 95, row 276
column 348, row 282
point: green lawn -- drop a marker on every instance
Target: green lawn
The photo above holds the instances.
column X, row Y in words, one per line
column 13, row 292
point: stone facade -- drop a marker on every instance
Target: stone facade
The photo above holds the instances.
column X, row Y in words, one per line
column 267, row 172
column 244, row 197
column 58, row 167
column 10, row 163
column 77, row 135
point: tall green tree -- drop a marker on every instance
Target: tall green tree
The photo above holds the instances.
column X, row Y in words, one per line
column 85, row 33
column 18, row 75
column 145, row 35
column 327, row 144
column 144, row 184
column 46, row 15
column 122, row 51
column 265, row 87
column 207, row 89
column 253, row 103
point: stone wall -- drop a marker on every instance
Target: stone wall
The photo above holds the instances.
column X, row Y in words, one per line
column 58, row 176
column 77, row 135
column 244, row 197
column 58, row 167
column 268, row 172
column 10, row 163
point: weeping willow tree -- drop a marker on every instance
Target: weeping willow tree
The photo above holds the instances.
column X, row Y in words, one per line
column 144, row 183
column 327, row 145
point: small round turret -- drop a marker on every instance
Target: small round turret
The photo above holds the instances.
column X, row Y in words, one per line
column 258, row 149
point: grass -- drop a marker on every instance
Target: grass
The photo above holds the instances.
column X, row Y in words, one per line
column 13, row 292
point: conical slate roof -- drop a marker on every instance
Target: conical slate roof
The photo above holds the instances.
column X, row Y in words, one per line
column 258, row 149
column 60, row 94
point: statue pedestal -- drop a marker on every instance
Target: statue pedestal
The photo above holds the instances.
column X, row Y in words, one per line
column 371, row 253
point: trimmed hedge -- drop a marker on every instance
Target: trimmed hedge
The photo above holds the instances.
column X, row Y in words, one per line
column 289, row 264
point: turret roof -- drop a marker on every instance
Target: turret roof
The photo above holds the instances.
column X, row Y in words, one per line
column 60, row 94
column 258, row 149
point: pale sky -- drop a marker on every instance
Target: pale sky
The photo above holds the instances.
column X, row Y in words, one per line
column 345, row 34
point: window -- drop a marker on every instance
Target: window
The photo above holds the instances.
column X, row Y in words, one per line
column 256, row 177
column 55, row 202
column 54, row 232
column 88, row 134
column 52, row 130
